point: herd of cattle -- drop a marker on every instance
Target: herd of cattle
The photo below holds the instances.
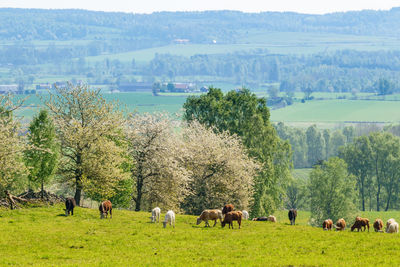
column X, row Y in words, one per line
column 227, row 215
column 362, row 224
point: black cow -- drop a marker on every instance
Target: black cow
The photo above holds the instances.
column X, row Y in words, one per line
column 292, row 216
column 69, row 206
column 260, row 219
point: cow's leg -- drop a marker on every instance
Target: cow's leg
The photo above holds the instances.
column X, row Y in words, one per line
column 72, row 211
column 111, row 213
column 207, row 224
column 66, row 212
column 215, row 222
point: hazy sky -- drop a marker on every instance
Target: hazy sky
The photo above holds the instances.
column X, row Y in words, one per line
column 148, row 6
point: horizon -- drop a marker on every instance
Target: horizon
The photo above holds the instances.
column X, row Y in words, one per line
column 252, row 6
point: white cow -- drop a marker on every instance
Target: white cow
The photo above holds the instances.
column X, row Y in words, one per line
column 245, row 214
column 155, row 214
column 169, row 218
column 392, row 226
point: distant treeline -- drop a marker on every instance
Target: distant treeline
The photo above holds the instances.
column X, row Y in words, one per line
column 39, row 24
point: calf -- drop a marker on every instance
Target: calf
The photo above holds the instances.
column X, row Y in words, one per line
column 209, row 215
column 378, row 225
column 69, row 206
column 232, row 216
column 292, row 216
column 327, row 224
column 104, row 208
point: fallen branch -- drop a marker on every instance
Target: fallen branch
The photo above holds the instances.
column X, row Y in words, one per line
column 11, row 199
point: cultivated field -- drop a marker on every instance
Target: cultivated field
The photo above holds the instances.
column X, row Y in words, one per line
column 44, row 236
column 339, row 111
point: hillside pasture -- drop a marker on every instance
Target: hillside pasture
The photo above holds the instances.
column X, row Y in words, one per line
column 44, row 236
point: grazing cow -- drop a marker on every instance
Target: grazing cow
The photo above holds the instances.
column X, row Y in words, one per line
column 104, row 208
column 232, row 216
column 359, row 223
column 292, row 216
column 69, row 206
column 227, row 208
column 340, row 225
column 378, row 225
column 245, row 214
column 327, row 224
column 155, row 214
column 260, row 219
column 169, row 218
column 210, row 215
column 393, row 228
column 388, row 223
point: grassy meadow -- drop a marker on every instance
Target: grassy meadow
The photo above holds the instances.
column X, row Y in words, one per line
column 44, row 236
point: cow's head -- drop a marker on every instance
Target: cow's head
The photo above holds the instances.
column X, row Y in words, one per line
column 164, row 224
column 198, row 221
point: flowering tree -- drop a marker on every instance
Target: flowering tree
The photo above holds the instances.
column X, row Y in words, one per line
column 90, row 131
column 221, row 171
column 158, row 174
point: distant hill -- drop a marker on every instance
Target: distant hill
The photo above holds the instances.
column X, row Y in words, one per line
column 198, row 27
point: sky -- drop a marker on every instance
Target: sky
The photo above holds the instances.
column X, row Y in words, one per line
column 149, row 6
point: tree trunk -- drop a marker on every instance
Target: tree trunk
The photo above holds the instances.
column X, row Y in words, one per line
column 78, row 193
column 388, row 199
column 362, row 194
column 139, row 194
column 377, row 197
column 42, row 192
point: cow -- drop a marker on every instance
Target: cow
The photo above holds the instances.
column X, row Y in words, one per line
column 245, row 214
column 155, row 214
column 232, row 216
column 104, row 208
column 327, row 224
column 360, row 223
column 292, row 216
column 271, row 218
column 393, row 228
column 169, row 218
column 260, row 219
column 209, row 215
column 388, row 223
column 69, row 206
column 227, row 208
column 340, row 225
column 378, row 225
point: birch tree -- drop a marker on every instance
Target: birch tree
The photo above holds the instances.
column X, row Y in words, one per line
column 90, row 131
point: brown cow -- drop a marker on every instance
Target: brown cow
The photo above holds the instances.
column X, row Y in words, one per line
column 340, row 225
column 327, row 224
column 104, row 208
column 378, row 225
column 227, row 208
column 209, row 215
column 360, row 223
column 232, row 216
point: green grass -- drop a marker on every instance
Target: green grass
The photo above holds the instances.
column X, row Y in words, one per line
column 339, row 111
column 44, row 236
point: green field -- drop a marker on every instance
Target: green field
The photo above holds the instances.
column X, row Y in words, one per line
column 335, row 111
column 274, row 42
column 44, row 236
